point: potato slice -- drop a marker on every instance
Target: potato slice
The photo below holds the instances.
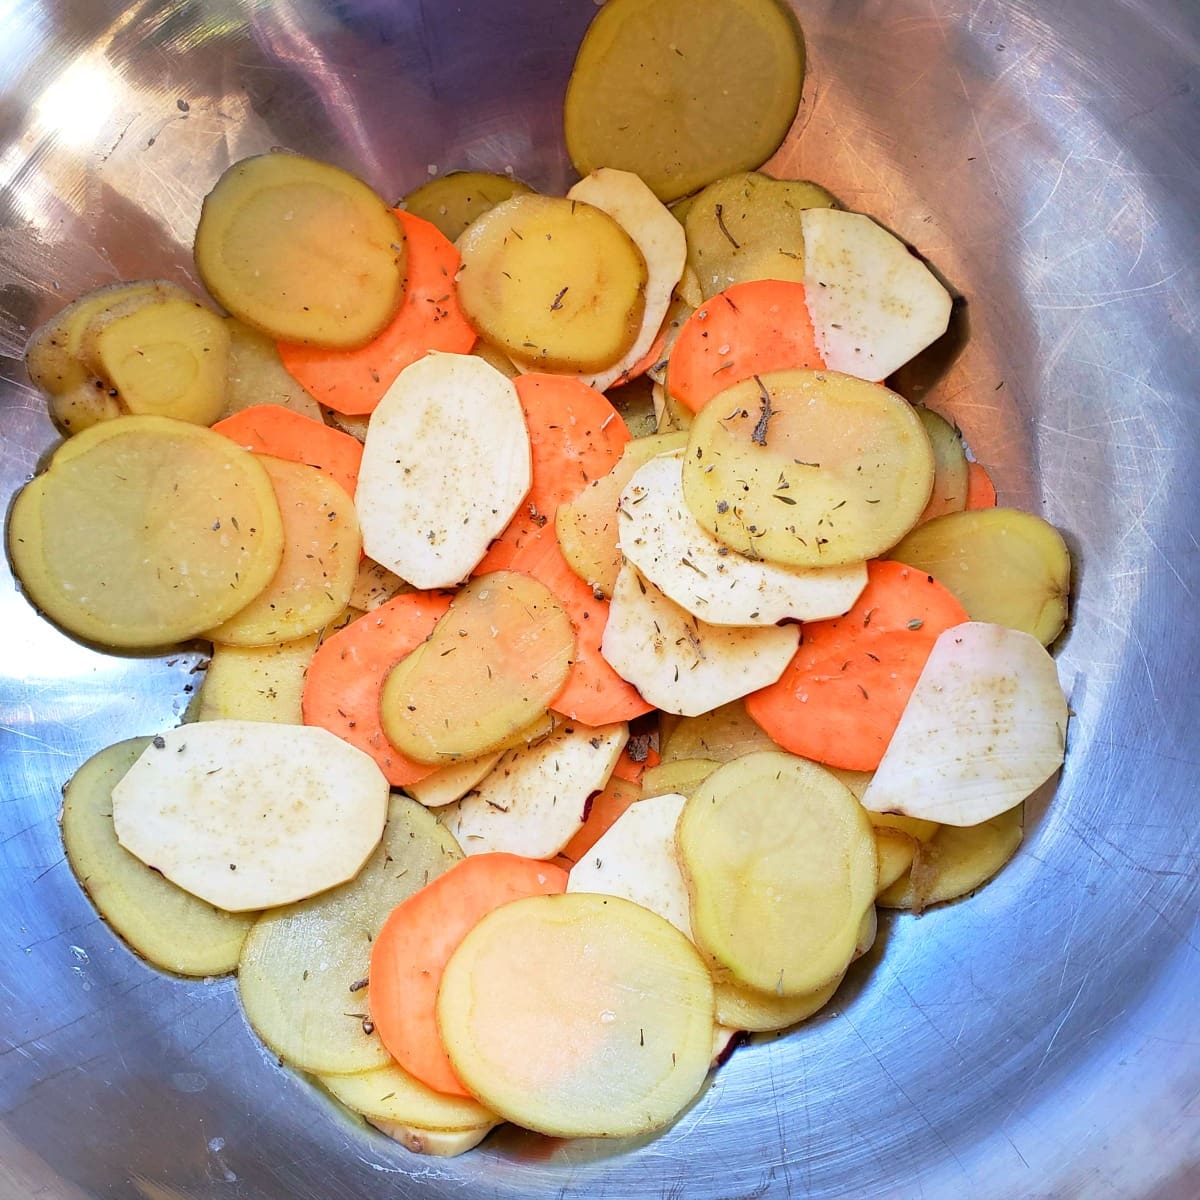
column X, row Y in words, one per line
column 985, row 726
column 723, row 734
column 683, row 776
column 374, row 585
column 454, row 201
column 636, row 859
column 662, row 245
column 808, row 468
column 447, row 419
column 587, row 526
column 682, row 664
column 578, row 1016
column 555, row 283
column 949, row 466
column 315, row 577
column 163, row 923
column 390, row 1093
column 747, row 226
column 257, row 375
column 535, row 798
column 491, row 667
column 249, row 815
column 145, row 531
column 874, row 303
column 682, row 95
column 302, row 251
column 780, row 865
column 436, row 1143
column 673, row 551
column 257, row 683
column 451, row 783
column 764, row 1012
column 303, row 973
column 1005, row 566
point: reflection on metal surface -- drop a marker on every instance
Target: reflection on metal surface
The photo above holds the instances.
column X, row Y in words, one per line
column 1038, row 1040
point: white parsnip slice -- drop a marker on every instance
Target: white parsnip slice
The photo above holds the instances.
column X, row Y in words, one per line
column 682, row 664
column 451, row 783
column 533, row 801
column 985, row 726
column 660, row 239
column 578, row 1015
column 445, row 466
column 636, row 859
column 874, row 303
column 390, row 1093
column 673, row 551
column 249, row 815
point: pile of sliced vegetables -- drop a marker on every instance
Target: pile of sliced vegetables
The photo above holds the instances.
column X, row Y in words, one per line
column 535, row 759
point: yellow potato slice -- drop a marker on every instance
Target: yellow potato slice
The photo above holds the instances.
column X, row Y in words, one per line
column 721, row 734
column 374, row 585
column 257, row 683
column 319, row 566
column 780, row 864
column 949, row 466
column 1005, row 566
column 764, row 1012
column 145, row 531
column 166, row 925
column 557, row 284
column 451, row 783
column 390, row 1093
column 747, row 226
column 257, row 375
column 302, row 251
column 683, row 775
column 492, row 666
column 682, row 92
column 435, row 1143
column 578, row 1016
column 808, row 468
column 454, row 201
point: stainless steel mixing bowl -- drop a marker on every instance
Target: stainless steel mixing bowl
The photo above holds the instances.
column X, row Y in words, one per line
column 1039, row 1040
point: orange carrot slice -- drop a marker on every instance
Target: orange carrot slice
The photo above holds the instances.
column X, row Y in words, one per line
column 354, row 381
column 840, row 699
column 283, row 433
column 746, row 330
column 981, row 492
column 632, row 771
column 346, row 676
column 410, row 953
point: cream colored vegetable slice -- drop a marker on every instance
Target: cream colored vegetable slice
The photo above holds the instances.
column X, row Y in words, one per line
column 316, row 575
column 491, row 667
column 683, row 776
column 578, row 1016
column 390, row 1093
column 587, row 527
column 555, row 283
column 747, row 226
column 257, row 683
column 661, row 242
column 435, row 1143
column 145, row 531
column 682, row 664
column 257, row 375
column 451, row 783
column 374, row 585
column 874, row 303
column 303, row 972
column 808, row 468
column 985, row 726
column 764, row 1012
column 355, row 426
column 780, row 865
column 950, row 466
column 723, row 734
column 302, row 251
column 636, row 859
column 533, row 801
column 445, row 466
column 250, row 815
column 454, row 201
column 1004, row 566
column 163, row 923
column 673, row 551
column 682, row 96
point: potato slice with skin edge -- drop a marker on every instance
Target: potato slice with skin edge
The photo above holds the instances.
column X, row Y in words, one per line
column 302, row 251
column 451, row 783
column 435, row 1143
column 985, row 726
column 534, row 800
column 950, row 466
column 303, row 972
column 257, row 375
column 390, row 1093
column 315, row 577
column 257, row 683
column 683, row 775
column 661, row 243
column 636, row 860
column 723, row 734
column 673, row 551
column 164, row 924
column 447, row 418
column 374, row 585
column 145, row 531
column 1006, row 567
column 685, row 665
column 780, row 865
column 248, row 815
column 454, row 201
column 556, row 283
column 874, row 303
column 467, row 690
column 807, row 468
column 578, row 1015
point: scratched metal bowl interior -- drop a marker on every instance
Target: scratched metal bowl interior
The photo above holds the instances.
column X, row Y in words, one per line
column 1036, row 1040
